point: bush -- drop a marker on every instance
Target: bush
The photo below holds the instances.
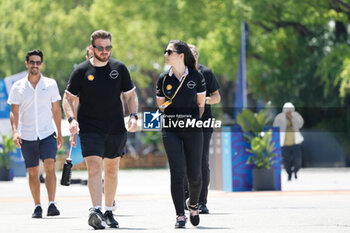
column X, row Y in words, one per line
column 6, row 149
column 261, row 146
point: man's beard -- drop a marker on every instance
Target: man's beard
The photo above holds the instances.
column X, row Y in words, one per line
column 34, row 72
column 100, row 58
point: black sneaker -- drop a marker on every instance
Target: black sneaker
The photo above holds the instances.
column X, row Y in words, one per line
column 109, row 218
column 38, row 212
column 96, row 219
column 52, row 210
column 194, row 213
column 203, row 209
column 41, row 179
column 180, row 221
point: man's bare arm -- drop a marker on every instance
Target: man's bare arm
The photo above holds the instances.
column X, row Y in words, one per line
column 133, row 104
column 57, row 117
column 14, row 116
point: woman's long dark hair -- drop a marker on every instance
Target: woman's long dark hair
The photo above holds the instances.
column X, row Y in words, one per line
column 181, row 47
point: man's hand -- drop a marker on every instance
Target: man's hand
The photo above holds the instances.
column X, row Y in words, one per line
column 132, row 124
column 74, row 127
column 59, row 141
column 17, row 139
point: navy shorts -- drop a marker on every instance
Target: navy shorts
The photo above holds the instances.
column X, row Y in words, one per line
column 42, row 149
column 103, row 145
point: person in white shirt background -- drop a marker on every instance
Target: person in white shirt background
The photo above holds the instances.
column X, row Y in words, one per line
column 290, row 122
column 34, row 103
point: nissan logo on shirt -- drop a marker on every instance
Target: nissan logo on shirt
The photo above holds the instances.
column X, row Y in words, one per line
column 114, row 74
column 191, row 84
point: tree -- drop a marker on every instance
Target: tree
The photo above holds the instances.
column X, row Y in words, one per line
column 295, row 45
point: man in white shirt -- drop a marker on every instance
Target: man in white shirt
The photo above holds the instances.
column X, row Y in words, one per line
column 290, row 122
column 34, row 103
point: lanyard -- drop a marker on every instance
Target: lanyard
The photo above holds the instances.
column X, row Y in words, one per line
column 170, row 101
column 177, row 90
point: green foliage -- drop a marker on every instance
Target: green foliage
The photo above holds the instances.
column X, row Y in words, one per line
column 253, row 124
column 297, row 50
column 5, row 149
column 260, row 142
column 334, row 65
column 344, row 78
column 153, row 139
column 141, row 31
column 261, row 148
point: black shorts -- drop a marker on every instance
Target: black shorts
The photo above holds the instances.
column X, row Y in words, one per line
column 104, row 145
column 42, row 149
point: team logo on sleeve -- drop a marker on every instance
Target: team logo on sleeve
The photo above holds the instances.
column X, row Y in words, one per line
column 114, row 74
column 191, row 84
column 169, row 87
column 91, row 77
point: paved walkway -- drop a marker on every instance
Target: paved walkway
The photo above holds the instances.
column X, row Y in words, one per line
column 319, row 201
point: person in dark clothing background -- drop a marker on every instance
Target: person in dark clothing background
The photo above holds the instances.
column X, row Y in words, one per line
column 212, row 97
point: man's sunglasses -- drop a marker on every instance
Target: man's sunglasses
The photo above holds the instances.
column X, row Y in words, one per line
column 101, row 48
column 38, row 63
column 169, row 51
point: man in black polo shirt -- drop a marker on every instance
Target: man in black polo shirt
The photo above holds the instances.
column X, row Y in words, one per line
column 98, row 83
column 212, row 97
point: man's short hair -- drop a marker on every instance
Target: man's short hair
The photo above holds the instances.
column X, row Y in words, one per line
column 36, row 52
column 100, row 34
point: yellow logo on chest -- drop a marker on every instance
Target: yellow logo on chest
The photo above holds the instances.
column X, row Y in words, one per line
column 169, row 87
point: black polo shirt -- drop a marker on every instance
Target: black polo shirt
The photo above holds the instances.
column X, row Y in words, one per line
column 211, row 86
column 99, row 89
column 185, row 102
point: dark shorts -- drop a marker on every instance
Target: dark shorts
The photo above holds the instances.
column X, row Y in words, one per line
column 103, row 145
column 42, row 149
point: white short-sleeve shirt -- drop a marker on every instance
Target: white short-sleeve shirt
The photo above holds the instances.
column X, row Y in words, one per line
column 35, row 107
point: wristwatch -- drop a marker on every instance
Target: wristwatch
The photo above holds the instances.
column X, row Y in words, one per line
column 70, row 119
column 207, row 100
column 135, row 115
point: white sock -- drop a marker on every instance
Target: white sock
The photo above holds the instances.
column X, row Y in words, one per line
column 98, row 207
column 52, row 202
column 108, row 208
column 37, row 205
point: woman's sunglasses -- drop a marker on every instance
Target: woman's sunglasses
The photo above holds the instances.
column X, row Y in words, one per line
column 169, row 51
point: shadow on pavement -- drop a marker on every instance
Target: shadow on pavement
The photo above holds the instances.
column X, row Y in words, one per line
column 55, row 217
column 133, row 229
column 217, row 214
column 125, row 215
column 213, row 228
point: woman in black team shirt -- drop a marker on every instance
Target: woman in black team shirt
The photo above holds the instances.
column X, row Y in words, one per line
column 181, row 95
